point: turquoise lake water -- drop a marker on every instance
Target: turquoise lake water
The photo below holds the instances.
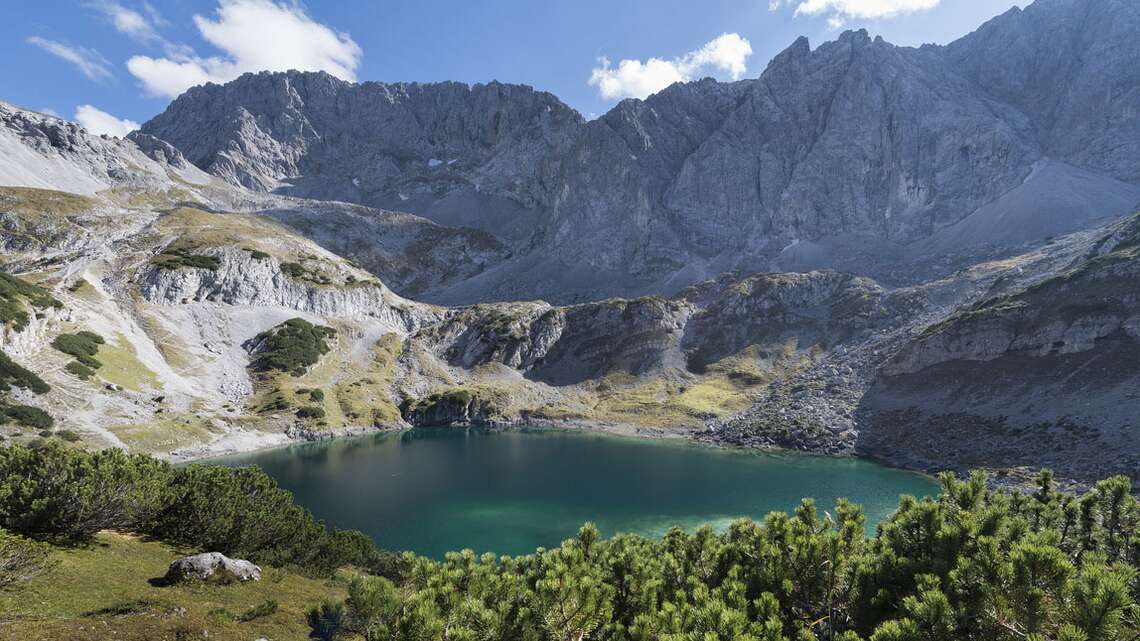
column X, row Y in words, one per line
column 508, row 492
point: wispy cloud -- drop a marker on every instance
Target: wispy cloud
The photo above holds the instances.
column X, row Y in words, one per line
column 89, row 61
column 839, row 12
column 727, row 54
column 252, row 35
column 100, row 122
column 129, row 22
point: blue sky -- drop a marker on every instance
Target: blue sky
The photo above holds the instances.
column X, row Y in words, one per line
column 113, row 63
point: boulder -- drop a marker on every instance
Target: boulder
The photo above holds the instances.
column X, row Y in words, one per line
column 200, row 567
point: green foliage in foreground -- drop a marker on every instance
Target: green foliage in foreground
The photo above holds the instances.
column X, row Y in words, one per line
column 66, row 496
column 293, row 346
column 21, row 559
column 973, row 564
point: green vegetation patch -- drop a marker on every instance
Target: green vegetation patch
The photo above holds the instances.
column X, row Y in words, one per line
column 300, row 272
column 293, row 346
column 25, row 415
column 83, row 345
column 81, row 371
column 21, row 559
column 178, row 258
column 311, row 412
column 121, row 365
column 972, row 564
column 15, row 297
column 12, row 374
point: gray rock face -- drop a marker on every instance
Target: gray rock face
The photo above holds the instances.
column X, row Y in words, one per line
column 241, row 279
column 859, row 140
column 201, row 567
column 439, row 148
column 1054, row 368
column 47, row 152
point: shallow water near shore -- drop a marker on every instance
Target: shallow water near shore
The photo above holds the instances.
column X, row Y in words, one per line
column 435, row 490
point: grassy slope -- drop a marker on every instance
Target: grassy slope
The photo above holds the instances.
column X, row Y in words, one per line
column 104, row 592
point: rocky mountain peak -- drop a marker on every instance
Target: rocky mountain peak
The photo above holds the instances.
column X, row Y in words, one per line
column 839, row 157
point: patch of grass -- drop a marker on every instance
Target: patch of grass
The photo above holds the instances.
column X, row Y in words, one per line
column 121, row 366
column 352, row 391
column 77, row 601
column 263, row 609
column 165, row 433
column 29, row 200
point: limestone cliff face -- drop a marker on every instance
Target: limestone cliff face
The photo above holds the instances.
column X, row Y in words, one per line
column 1062, row 64
column 312, row 135
column 241, row 279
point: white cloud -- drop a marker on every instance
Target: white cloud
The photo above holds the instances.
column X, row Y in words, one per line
column 838, row 12
column 48, row 111
column 100, row 122
column 254, row 35
column 727, row 54
column 128, row 21
column 90, row 62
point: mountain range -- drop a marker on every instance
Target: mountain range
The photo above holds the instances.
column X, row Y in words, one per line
column 925, row 255
column 858, row 155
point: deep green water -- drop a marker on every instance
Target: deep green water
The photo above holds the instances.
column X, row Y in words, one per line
column 436, row 490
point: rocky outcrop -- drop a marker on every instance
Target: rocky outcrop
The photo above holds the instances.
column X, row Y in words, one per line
column 454, row 408
column 1064, row 314
column 707, row 323
column 211, row 566
column 242, row 279
column 1046, row 375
